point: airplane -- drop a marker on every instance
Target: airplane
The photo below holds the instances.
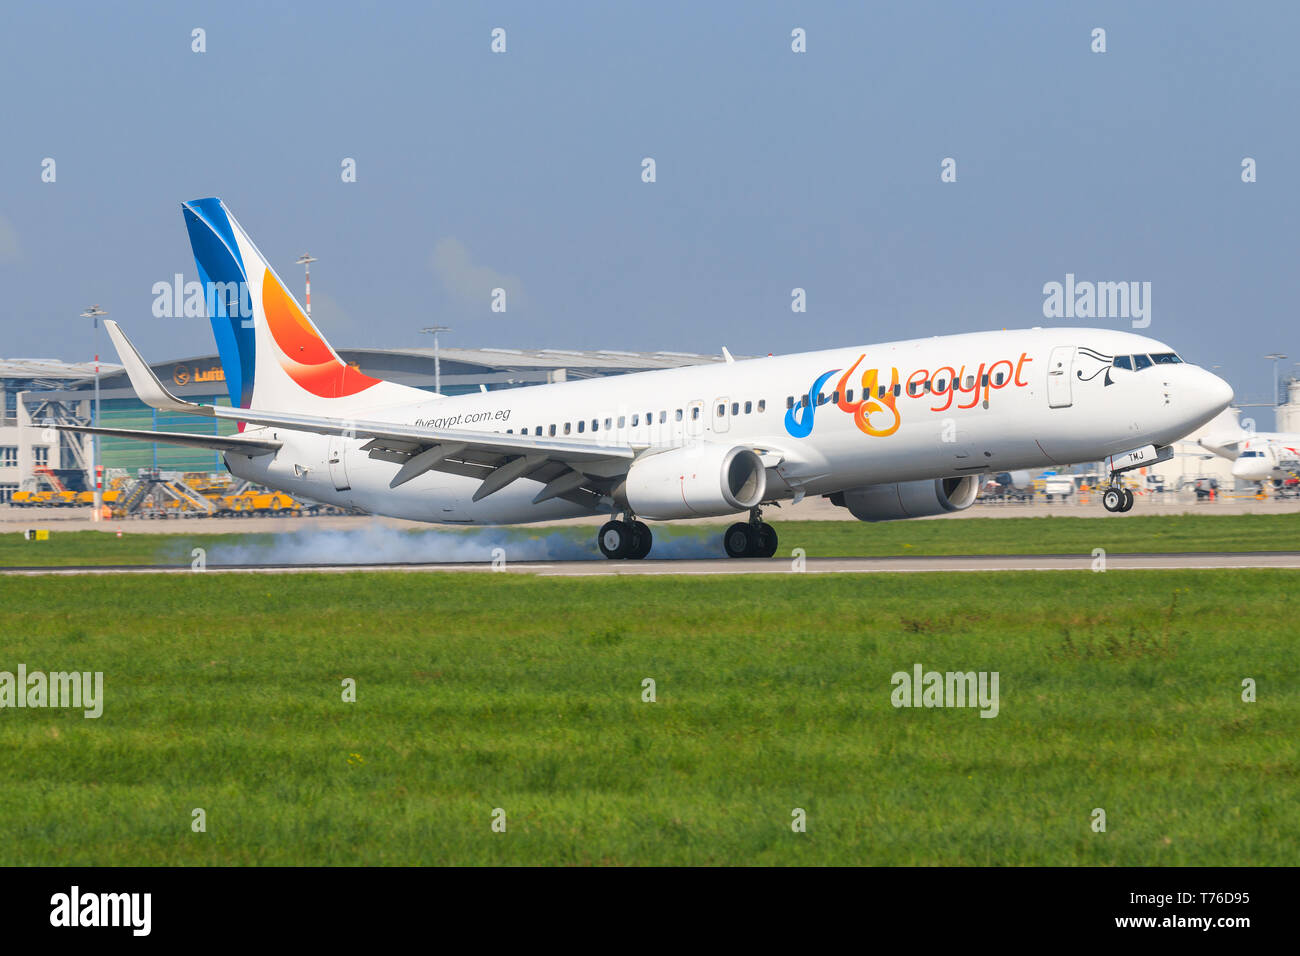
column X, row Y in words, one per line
column 1255, row 456
column 1273, row 459
column 897, row 430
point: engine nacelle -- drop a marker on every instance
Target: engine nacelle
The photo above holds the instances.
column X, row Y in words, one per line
column 909, row 499
column 696, row 481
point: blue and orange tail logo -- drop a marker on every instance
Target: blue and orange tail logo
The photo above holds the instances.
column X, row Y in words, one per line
column 304, row 356
column 216, row 253
column 224, row 255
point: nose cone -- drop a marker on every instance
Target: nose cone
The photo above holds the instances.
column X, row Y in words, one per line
column 1251, row 469
column 1211, row 393
column 1197, row 397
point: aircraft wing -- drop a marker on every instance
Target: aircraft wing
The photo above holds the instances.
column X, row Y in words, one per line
column 235, row 443
column 489, row 442
column 575, row 471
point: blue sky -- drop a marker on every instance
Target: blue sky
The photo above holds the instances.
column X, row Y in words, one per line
column 775, row 170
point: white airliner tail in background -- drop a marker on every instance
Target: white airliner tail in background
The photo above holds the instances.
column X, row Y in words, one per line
column 1255, row 456
column 894, row 430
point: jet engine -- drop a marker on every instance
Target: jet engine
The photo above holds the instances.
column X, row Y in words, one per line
column 695, row 481
column 909, row 499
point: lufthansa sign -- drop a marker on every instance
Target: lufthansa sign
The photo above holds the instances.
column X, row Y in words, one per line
column 182, row 375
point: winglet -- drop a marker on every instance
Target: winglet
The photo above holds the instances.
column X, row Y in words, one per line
column 143, row 380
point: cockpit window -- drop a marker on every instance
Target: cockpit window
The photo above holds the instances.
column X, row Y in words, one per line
column 1141, row 361
column 1124, row 361
column 1166, row 358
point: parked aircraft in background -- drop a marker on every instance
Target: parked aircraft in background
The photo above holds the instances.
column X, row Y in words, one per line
column 896, row 430
column 1255, row 456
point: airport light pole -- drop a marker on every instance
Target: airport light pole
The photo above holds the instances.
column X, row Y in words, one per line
column 305, row 260
column 437, row 367
column 1276, row 357
column 94, row 313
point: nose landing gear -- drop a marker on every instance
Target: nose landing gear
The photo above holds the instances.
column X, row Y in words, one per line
column 753, row 539
column 625, row 539
column 1118, row 499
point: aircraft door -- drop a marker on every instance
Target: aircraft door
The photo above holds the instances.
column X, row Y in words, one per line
column 721, row 414
column 1060, row 370
column 338, row 463
column 695, row 418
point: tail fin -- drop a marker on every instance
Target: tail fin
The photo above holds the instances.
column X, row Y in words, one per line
column 1224, row 434
column 273, row 356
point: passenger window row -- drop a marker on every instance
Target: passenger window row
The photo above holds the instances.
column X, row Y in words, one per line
column 738, row 408
column 595, row 424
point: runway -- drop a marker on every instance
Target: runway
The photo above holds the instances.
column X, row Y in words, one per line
column 13, row 519
column 1222, row 560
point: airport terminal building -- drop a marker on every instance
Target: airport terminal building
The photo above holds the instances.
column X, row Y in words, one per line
column 28, row 451
column 35, row 393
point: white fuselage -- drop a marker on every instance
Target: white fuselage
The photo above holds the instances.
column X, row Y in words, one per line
column 1024, row 399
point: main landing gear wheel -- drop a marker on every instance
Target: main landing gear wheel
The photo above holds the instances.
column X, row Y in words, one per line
column 625, row 539
column 750, row 540
column 642, row 540
column 738, row 540
column 615, row 539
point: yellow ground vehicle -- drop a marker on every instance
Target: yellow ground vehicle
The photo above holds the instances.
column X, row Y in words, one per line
column 88, row 497
column 212, row 487
column 251, row 502
column 153, row 496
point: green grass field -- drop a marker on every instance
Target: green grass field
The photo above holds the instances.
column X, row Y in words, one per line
column 966, row 536
column 1118, row 690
